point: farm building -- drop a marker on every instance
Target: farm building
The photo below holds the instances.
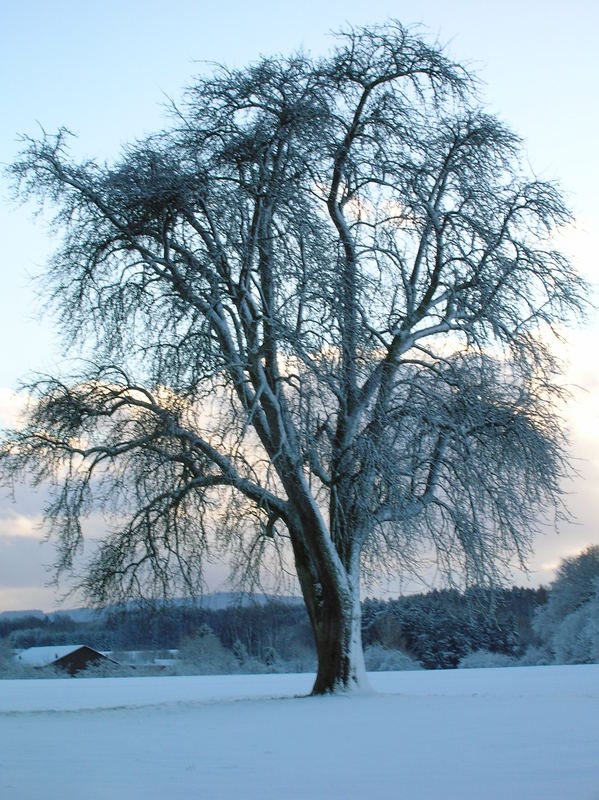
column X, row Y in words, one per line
column 72, row 658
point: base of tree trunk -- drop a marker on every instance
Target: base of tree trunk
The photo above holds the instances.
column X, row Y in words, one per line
column 326, row 684
column 340, row 657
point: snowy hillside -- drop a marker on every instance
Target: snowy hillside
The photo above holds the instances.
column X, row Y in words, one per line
column 523, row 733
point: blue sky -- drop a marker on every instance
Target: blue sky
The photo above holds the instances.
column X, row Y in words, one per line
column 103, row 70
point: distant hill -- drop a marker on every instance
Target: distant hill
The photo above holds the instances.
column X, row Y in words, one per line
column 215, row 601
column 30, row 612
column 219, row 600
column 77, row 614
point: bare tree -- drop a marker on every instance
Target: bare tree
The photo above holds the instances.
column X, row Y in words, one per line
column 319, row 302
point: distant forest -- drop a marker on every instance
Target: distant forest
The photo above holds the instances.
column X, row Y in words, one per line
column 438, row 630
column 434, row 630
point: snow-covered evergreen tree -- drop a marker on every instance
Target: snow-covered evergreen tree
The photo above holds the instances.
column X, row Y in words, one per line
column 568, row 624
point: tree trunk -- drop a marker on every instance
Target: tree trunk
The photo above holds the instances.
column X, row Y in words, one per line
column 338, row 638
column 335, row 613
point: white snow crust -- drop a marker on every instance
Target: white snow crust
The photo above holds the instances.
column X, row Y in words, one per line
column 522, row 733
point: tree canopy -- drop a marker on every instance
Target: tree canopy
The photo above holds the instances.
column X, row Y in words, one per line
column 316, row 313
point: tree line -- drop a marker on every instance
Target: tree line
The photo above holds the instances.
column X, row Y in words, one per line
column 435, row 629
column 440, row 629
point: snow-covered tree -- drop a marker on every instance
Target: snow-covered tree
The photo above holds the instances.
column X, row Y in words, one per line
column 203, row 652
column 568, row 624
column 315, row 312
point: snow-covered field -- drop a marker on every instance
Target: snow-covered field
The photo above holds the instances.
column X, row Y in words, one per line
column 516, row 733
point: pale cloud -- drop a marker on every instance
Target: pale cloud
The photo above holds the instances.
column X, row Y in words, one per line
column 34, row 597
column 16, row 524
column 23, row 561
column 580, row 242
column 11, row 407
column 25, row 575
column 578, row 352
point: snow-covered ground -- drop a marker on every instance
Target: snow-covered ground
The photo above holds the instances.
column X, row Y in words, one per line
column 517, row 733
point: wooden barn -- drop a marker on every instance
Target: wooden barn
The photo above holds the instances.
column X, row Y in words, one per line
column 71, row 658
